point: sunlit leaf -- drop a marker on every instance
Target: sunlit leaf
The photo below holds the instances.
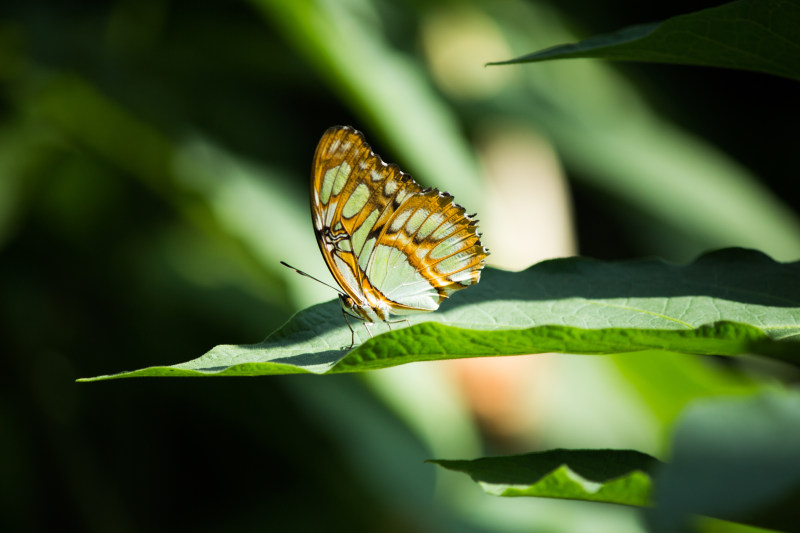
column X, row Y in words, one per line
column 727, row 303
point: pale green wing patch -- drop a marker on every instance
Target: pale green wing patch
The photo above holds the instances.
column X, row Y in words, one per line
column 357, row 201
column 333, row 182
column 393, row 274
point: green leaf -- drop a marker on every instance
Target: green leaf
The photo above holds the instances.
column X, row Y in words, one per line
column 726, row 303
column 733, row 458
column 759, row 35
column 611, row 476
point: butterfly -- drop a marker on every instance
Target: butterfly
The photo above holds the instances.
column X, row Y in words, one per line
column 393, row 247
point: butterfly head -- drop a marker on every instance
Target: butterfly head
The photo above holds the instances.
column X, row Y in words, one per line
column 348, row 305
column 366, row 312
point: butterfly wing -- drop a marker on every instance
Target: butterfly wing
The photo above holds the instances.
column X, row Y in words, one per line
column 352, row 192
column 427, row 250
column 390, row 245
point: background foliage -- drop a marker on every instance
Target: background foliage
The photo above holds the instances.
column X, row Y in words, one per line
column 154, row 161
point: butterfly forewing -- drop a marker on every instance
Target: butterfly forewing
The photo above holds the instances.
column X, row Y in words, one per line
column 392, row 246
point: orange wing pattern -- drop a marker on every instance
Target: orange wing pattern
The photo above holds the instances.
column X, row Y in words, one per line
column 393, row 247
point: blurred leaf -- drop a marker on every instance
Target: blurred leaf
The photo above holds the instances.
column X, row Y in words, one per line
column 736, row 459
column 726, row 303
column 82, row 112
column 667, row 382
column 246, row 200
column 704, row 524
column 230, row 199
column 25, row 153
column 760, row 35
column 347, row 44
column 612, row 139
column 611, row 476
column 680, row 181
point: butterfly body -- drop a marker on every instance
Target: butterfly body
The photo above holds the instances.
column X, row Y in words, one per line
column 393, row 247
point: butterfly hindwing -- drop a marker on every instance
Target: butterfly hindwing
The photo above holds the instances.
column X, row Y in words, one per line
column 428, row 249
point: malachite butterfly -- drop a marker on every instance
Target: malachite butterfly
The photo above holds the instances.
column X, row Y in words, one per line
column 393, row 247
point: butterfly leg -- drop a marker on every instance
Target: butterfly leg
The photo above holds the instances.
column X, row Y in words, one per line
column 352, row 333
column 389, row 324
column 368, row 330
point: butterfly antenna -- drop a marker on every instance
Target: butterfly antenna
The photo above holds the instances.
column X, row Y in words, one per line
column 310, row 276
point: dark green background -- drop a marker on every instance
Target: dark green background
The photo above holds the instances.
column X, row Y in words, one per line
column 86, row 286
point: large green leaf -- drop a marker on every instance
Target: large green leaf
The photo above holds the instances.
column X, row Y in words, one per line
column 760, row 35
column 727, row 303
column 611, row 476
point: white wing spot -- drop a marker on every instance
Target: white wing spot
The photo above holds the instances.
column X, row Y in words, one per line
column 334, row 147
column 389, row 188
